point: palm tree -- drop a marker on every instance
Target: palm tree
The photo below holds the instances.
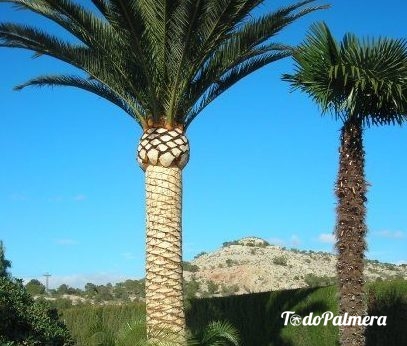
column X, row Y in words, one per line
column 162, row 62
column 362, row 83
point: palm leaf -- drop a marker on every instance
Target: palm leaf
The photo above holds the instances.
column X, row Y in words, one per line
column 163, row 61
column 220, row 333
column 125, row 102
column 356, row 79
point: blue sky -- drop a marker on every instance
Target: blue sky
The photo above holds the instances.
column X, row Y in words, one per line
column 263, row 163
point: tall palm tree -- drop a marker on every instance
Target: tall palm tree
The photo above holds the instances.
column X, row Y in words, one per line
column 363, row 83
column 162, row 62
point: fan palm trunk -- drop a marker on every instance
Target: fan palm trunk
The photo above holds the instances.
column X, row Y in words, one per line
column 351, row 230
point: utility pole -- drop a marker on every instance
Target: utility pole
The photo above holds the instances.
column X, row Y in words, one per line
column 47, row 275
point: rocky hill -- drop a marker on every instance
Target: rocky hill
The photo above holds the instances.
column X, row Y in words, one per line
column 254, row 265
column 243, row 266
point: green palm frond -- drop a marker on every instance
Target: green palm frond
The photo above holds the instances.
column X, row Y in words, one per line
column 230, row 77
column 364, row 80
column 162, row 61
column 219, row 333
column 126, row 102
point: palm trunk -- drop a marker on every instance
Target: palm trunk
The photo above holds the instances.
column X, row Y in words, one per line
column 351, row 230
column 163, row 154
column 164, row 293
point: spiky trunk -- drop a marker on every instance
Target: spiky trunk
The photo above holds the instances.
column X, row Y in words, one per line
column 163, row 154
column 351, row 230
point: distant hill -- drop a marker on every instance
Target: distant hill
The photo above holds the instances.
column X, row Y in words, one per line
column 242, row 266
column 253, row 265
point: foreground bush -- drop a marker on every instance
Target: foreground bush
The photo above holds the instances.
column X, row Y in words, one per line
column 24, row 321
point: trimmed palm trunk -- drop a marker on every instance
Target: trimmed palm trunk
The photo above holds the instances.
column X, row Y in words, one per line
column 162, row 154
column 351, row 230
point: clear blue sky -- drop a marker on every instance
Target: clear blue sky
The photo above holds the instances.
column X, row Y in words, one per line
column 263, row 163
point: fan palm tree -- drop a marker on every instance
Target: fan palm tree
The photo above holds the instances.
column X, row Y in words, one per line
column 363, row 83
column 162, row 62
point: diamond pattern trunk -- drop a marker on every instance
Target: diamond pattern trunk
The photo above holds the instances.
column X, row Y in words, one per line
column 351, row 231
column 162, row 154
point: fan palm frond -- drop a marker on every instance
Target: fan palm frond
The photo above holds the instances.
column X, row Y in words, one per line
column 365, row 80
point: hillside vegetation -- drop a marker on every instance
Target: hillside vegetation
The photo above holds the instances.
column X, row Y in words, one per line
column 248, row 265
column 253, row 265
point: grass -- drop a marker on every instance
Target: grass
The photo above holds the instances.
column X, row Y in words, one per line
column 101, row 325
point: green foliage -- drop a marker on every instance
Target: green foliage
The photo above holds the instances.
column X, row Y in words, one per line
column 160, row 61
column 230, row 262
column 4, row 263
column 256, row 316
column 191, row 289
column 252, row 243
column 24, row 321
column 212, row 287
column 135, row 287
column 229, row 243
column 200, row 254
column 104, row 294
column 188, row 267
column 92, row 325
column 358, row 80
column 61, row 303
column 121, row 291
column 217, row 333
column 229, row 290
column 280, row 260
column 133, row 333
column 313, row 280
column 389, row 300
column 65, row 289
column 28, row 322
column 35, row 287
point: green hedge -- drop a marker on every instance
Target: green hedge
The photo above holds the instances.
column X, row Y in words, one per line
column 257, row 317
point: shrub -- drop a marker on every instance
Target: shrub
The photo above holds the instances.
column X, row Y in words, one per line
column 189, row 267
column 230, row 262
column 212, row 287
column 229, row 290
column 200, row 254
column 24, row 321
column 313, row 280
column 228, row 243
column 280, row 260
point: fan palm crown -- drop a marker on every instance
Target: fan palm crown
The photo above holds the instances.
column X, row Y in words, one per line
column 358, row 80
